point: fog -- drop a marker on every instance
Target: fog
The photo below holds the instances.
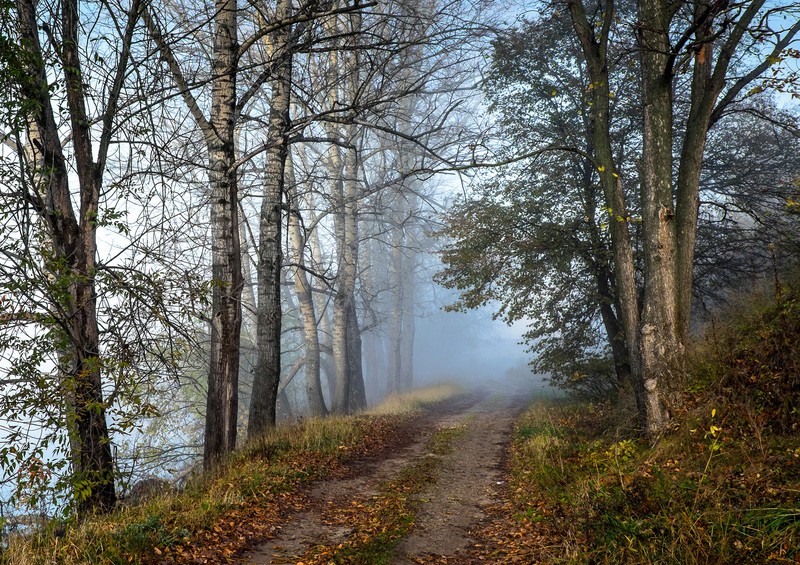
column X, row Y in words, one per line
column 470, row 349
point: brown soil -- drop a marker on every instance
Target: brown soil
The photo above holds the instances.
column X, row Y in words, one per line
column 470, row 481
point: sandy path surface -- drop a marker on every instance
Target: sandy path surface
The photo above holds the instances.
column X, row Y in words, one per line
column 469, row 482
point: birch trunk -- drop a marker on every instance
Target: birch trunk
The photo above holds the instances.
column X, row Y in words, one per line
column 270, row 254
column 321, row 301
column 226, row 272
column 305, row 299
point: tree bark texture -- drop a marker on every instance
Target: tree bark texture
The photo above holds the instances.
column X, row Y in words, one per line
column 226, row 270
column 358, row 392
column 305, row 299
column 270, row 253
column 595, row 50
column 711, row 65
column 662, row 348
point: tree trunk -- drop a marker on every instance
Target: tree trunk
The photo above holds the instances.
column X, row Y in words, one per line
column 270, row 254
column 661, row 347
column 347, row 367
column 226, row 272
column 358, row 393
column 395, row 361
column 595, row 52
column 409, row 330
column 401, row 323
column 321, row 305
column 73, row 242
column 341, row 366
column 616, row 337
column 305, row 299
column 341, row 298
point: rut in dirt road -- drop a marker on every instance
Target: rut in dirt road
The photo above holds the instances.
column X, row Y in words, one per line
column 469, row 480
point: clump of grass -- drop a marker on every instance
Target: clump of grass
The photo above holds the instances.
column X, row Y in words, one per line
column 701, row 495
column 413, row 400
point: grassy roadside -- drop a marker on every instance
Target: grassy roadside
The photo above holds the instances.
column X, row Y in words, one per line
column 705, row 494
column 216, row 517
column 722, row 486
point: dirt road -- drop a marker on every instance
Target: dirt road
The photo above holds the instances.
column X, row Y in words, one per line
column 468, row 480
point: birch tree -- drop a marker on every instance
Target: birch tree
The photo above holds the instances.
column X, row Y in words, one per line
column 218, row 129
column 270, row 254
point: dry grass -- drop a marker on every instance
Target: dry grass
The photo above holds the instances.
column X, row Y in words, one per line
column 414, row 400
column 217, row 516
column 255, row 483
column 722, row 486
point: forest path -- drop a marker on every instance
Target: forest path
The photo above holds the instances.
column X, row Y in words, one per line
column 468, row 479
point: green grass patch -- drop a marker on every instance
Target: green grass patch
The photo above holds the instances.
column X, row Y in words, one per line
column 702, row 495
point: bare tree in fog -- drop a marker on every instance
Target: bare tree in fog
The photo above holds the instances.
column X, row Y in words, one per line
column 218, row 129
column 377, row 67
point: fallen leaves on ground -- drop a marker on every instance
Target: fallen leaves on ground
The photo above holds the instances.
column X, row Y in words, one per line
column 260, row 516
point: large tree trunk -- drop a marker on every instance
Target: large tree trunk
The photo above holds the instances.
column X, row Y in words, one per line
column 95, row 461
column 226, row 306
column 222, row 399
column 602, row 270
column 270, row 254
column 687, row 203
column 708, row 80
column 662, row 348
